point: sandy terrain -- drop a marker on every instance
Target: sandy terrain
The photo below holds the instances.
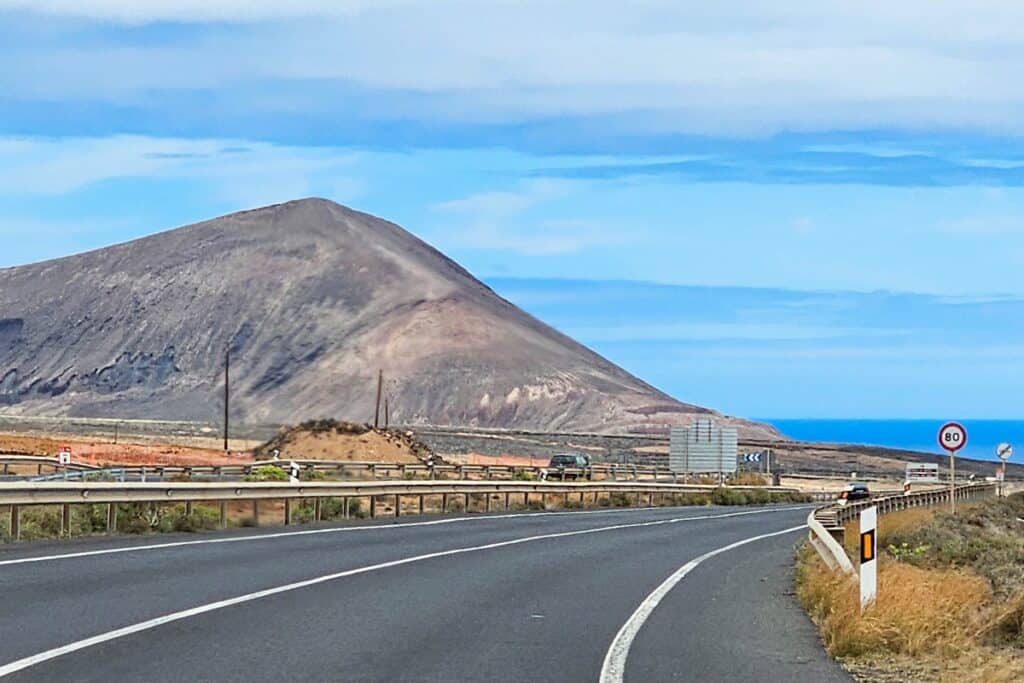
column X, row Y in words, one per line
column 107, row 453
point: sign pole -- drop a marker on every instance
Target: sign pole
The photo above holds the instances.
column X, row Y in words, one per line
column 1005, row 452
column 952, row 437
column 952, row 482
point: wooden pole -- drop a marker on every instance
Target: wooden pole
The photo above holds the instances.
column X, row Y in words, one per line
column 380, row 389
column 227, row 393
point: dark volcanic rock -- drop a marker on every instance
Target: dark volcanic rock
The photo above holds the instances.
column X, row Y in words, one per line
column 312, row 298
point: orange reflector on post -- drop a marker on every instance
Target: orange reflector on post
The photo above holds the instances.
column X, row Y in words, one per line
column 867, row 546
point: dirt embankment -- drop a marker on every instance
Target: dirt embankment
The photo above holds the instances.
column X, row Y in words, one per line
column 337, row 440
column 101, row 453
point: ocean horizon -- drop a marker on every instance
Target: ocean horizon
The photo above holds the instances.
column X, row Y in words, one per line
column 915, row 435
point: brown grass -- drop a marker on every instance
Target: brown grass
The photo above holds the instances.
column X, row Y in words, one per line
column 918, row 611
column 749, row 479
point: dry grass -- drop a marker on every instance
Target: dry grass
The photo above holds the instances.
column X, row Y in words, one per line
column 749, row 479
column 918, row 611
column 950, row 598
column 890, row 526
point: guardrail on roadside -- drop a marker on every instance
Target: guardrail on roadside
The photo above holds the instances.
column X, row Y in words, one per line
column 65, row 494
column 341, row 468
column 828, row 524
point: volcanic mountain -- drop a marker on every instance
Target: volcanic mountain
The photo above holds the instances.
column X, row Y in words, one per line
column 313, row 299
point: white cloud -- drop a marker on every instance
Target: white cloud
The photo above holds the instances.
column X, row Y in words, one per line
column 494, row 221
column 248, row 173
column 733, row 67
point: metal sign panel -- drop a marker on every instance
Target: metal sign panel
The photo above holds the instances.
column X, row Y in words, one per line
column 923, row 473
column 704, row 447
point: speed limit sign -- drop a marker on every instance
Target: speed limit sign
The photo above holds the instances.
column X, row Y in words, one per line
column 952, row 436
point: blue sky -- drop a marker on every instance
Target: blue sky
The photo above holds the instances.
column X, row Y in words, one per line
column 804, row 209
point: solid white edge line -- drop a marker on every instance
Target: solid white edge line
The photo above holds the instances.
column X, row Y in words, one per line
column 32, row 660
column 614, row 668
column 310, row 532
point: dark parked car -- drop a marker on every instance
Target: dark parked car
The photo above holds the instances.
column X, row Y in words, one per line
column 566, row 461
column 854, row 491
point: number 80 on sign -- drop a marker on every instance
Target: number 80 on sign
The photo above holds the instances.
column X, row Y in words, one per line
column 952, row 437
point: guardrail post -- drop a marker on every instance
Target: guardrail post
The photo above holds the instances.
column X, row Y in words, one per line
column 398, row 505
column 188, row 508
column 462, row 471
column 223, row 521
column 318, row 509
column 636, row 474
column 444, row 503
column 65, row 520
column 487, row 502
column 111, row 517
column 16, row 522
column 466, row 508
column 487, row 472
column 421, row 503
column 506, row 501
column 345, row 504
column 615, row 472
column 287, row 511
column 373, row 507
column 256, row 512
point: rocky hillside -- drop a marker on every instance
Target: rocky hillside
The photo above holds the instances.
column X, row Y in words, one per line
column 313, row 299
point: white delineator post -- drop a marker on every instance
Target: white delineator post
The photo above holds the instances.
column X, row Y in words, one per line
column 868, row 556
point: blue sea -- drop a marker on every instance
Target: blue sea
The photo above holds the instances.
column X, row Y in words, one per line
column 917, row 435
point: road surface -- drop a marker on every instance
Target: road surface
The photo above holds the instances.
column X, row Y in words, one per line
column 540, row 597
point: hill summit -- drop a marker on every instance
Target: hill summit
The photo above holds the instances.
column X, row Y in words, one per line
column 313, row 299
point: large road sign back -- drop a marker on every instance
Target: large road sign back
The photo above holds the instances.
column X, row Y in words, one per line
column 703, row 447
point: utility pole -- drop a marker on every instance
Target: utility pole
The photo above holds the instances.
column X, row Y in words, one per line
column 227, row 392
column 387, row 418
column 380, row 389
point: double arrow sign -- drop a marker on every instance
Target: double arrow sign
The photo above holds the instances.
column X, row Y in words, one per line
column 752, row 457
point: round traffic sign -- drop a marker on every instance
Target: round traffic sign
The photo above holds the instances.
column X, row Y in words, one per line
column 952, row 436
column 1004, row 451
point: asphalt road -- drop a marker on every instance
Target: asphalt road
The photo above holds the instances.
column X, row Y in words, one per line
column 539, row 597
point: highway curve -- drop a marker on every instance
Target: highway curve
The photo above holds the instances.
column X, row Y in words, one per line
column 539, row 597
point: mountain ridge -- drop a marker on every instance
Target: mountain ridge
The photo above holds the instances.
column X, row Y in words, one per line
column 312, row 298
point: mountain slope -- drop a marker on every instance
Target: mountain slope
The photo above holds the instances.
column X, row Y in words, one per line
column 312, row 298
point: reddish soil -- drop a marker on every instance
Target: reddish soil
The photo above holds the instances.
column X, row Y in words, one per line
column 100, row 453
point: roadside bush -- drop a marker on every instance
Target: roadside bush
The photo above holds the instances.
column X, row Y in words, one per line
column 201, row 519
column 523, row 475
column 267, row 473
column 620, row 500
column 724, row 496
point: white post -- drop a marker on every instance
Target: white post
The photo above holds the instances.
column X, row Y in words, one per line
column 868, row 556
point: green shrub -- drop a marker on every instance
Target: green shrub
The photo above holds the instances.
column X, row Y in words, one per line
column 267, row 473
column 724, row 496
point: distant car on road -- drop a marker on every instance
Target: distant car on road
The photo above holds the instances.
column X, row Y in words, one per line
column 853, row 491
column 560, row 462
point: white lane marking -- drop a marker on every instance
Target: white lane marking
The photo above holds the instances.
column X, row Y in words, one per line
column 310, row 532
column 307, row 532
column 41, row 657
column 614, row 667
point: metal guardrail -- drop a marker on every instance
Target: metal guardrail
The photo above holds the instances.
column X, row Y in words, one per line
column 65, row 494
column 375, row 470
column 828, row 524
